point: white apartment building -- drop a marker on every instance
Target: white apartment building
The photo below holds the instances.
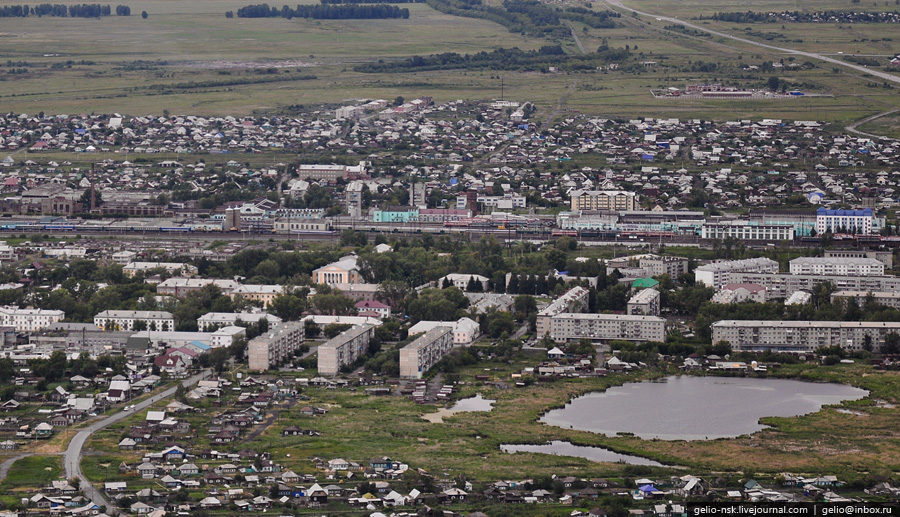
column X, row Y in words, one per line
column 849, row 221
column 716, row 274
column 344, row 349
column 225, row 336
column 644, row 303
column 276, row 345
column 886, row 298
column 223, row 319
column 461, row 281
column 419, row 356
column 573, row 300
column 836, row 266
column 29, row 320
column 606, row 327
column 800, row 336
column 124, row 320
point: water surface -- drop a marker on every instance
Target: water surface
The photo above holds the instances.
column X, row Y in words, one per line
column 696, row 408
column 559, row 448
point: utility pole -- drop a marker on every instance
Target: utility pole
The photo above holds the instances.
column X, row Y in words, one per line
column 501, row 87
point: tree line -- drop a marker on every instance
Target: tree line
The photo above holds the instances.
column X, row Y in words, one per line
column 63, row 11
column 529, row 17
column 501, row 59
column 324, row 12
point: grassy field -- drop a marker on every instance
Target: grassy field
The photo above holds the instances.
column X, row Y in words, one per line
column 28, row 473
column 190, row 58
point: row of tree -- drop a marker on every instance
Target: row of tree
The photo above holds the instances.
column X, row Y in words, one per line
column 325, row 12
column 62, row 11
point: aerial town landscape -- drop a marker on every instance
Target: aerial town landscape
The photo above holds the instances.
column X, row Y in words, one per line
column 448, row 257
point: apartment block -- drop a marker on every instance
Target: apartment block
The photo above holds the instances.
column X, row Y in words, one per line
column 800, row 336
column 673, row 266
column 276, row 345
column 419, row 356
column 212, row 320
column 782, row 285
column 747, row 231
column 573, row 300
column 618, row 200
column 886, row 298
column 344, row 348
column 840, row 266
column 644, row 303
column 606, row 327
column 29, row 320
column 124, row 320
column 717, row 274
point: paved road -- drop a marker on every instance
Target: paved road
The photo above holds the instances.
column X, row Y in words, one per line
column 852, row 127
column 72, row 459
column 859, row 68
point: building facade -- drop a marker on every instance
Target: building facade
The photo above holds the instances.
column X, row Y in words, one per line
column 747, row 231
column 573, row 300
column 276, row 345
column 264, row 294
column 344, row 271
column 801, row 336
column 124, row 320
column 606, row 327
column 29, row 320
column 717, row 274
column 838, row 266
column 886, row 298
column 844, row 221
column 782, row 285
column 602, row 200
column 672, row 266
column 344, row 349
column 419, row 356
column 644, row 303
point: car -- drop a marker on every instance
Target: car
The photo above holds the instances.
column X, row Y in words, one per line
column 127, row 408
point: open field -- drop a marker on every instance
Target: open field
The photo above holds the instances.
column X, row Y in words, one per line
column 191, row 59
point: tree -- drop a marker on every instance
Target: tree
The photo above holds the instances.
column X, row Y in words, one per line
column 773, row 83
column 140, row 325
column 891, row 344
column 144, row 14
column 398, row 101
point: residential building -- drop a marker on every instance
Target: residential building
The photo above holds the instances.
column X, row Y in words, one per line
column 654, row 265
column 374, row 306
column 176, row 268
column 783, row 285
column 276, row 345
column 344, row 271
column 419, row 356
column 264, row 294
column 602, row 200
column 801, row 336
column 124, row 320
column 747, row 231
column 644, row 303
column 717, row 274
column 886, row 298
column 465, row 330
column 886, row 257
column 844, row 221
column 344, row 349
column 29, row 320
column 737, row 293
column 606, row 327
column 836, row 266
column 573, row 300
column 225, row 336
column 212, row 320
column 181, row 287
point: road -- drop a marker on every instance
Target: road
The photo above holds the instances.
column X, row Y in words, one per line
column 72, row 459
column 852, row 127
column 812, row 55
column 575, row 37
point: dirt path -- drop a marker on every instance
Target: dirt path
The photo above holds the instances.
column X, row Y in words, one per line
column 575, row 37
column 261, row 428
column 852, row 127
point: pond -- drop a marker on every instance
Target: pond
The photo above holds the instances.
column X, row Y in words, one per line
column 696, row 408
column 476, row 403
column 559, row 448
